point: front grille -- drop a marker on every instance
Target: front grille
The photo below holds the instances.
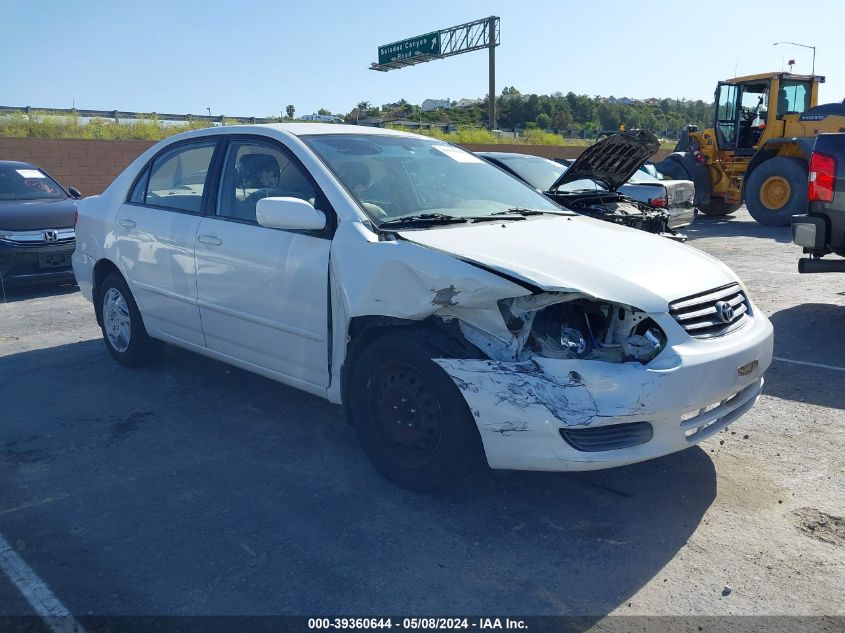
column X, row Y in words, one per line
column 608, row 438
column 713, row 312
column 38, row 239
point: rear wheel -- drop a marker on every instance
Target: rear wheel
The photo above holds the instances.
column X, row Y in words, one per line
column 412, row 421
column 123, row 329
column 718, row 207
column 777, row 190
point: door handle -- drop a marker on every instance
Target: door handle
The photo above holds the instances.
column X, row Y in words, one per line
column 127, row 224
column 209, row 239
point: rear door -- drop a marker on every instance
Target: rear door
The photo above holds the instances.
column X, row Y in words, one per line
column 263, row 293
column 156, row 230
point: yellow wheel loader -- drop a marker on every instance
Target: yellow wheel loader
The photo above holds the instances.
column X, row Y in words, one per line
column 757, row 150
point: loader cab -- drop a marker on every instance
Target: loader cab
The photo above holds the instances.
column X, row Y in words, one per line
column 742, row 113
column 749, row 107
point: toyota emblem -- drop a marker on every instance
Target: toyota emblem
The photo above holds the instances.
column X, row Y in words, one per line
column 725, row 311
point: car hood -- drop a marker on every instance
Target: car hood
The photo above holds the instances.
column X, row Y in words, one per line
column 575, row 253
column 31, row 215
column 612, row 161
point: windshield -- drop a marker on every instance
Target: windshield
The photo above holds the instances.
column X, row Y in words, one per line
column 396, row 176
column 641, row 177
column 27, row 183
column 582, row 184
column 540, row 173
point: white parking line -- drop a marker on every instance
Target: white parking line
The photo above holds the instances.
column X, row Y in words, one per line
column 37, row 594
column 803, row 362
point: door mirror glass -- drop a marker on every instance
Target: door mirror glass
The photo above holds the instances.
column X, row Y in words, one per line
column 289, row 213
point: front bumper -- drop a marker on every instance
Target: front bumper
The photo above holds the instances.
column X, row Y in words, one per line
column 692, row 390
column 38, row 262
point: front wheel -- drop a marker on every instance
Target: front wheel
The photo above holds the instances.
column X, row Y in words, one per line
column 777, row 190
column 123, row 329
column 412, row 421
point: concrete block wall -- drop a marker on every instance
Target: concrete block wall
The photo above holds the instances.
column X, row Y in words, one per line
column 91, row 165
column 88, row 165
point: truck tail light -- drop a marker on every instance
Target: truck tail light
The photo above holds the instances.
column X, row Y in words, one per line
column 75, row 217
column 822, row 177
column 658, row 202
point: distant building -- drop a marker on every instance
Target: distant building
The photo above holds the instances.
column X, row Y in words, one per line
column 429, row 105
column 322, row 118
column 468, row 103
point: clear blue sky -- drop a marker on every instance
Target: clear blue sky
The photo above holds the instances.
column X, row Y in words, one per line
column 252, row 59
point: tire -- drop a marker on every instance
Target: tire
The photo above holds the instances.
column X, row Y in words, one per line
column 673, row 169
column 777, row 190
column 123, row 328
column 718, row 207
column 412, row 421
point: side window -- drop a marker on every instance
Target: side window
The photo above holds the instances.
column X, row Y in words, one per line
column 140, row 188
column 177, row 178
column 254, row 170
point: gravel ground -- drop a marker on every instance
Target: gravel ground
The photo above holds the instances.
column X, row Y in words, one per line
column 195, row 488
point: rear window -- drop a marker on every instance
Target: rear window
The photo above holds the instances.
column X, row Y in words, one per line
column 28, row 183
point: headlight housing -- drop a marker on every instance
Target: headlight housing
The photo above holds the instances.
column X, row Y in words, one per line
column 587, row 329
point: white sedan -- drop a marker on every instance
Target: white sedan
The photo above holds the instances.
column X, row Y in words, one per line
column 452, row 309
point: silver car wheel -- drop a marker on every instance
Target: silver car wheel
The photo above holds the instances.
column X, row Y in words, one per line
column 117, row 323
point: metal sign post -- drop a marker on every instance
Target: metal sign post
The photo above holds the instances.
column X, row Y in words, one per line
column 455, row 40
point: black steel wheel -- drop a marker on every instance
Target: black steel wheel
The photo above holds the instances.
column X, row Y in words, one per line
column 412, row 421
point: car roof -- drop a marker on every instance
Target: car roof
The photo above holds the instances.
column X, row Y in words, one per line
column 289, row 129
column 18, row 163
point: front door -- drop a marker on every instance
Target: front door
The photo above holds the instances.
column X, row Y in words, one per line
column 263, row 293
column 726, row 116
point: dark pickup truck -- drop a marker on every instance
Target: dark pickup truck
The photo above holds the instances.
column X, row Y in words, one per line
column 822, row 231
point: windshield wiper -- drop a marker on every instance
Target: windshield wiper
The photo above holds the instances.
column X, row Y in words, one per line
column 424, row 218
column 442, row 218
column 521, row 211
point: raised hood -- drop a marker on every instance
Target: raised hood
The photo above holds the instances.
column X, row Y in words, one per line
column 576, row 253
column 32, row 215
column 612, row 161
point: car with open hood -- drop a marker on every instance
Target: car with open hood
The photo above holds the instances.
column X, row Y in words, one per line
column 451, row 308
column 606, row 182
column 36, row 225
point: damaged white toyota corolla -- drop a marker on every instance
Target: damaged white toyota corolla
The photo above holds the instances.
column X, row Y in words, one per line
column 452, row 309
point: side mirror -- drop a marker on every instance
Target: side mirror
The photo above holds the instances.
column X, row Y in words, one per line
column 74, row 193
column 289, row 213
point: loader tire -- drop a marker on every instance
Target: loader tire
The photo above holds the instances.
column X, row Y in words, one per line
column 777, row 190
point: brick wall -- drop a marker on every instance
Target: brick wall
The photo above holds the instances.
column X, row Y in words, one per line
column 90, row 166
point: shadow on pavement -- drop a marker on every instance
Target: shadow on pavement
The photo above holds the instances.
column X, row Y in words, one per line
column 729, row 226
column 193, row 487
column 36, row 291
column 814, row 333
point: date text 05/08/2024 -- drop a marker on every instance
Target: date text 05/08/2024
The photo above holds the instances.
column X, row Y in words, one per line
column 417, row 623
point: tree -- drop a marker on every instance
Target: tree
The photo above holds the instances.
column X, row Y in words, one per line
column 324, row 112
column 363, row 106
column 543, row 120
column 290, row 111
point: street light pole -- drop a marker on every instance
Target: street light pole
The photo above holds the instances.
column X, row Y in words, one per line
column 491, row 45
column 802, row 46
